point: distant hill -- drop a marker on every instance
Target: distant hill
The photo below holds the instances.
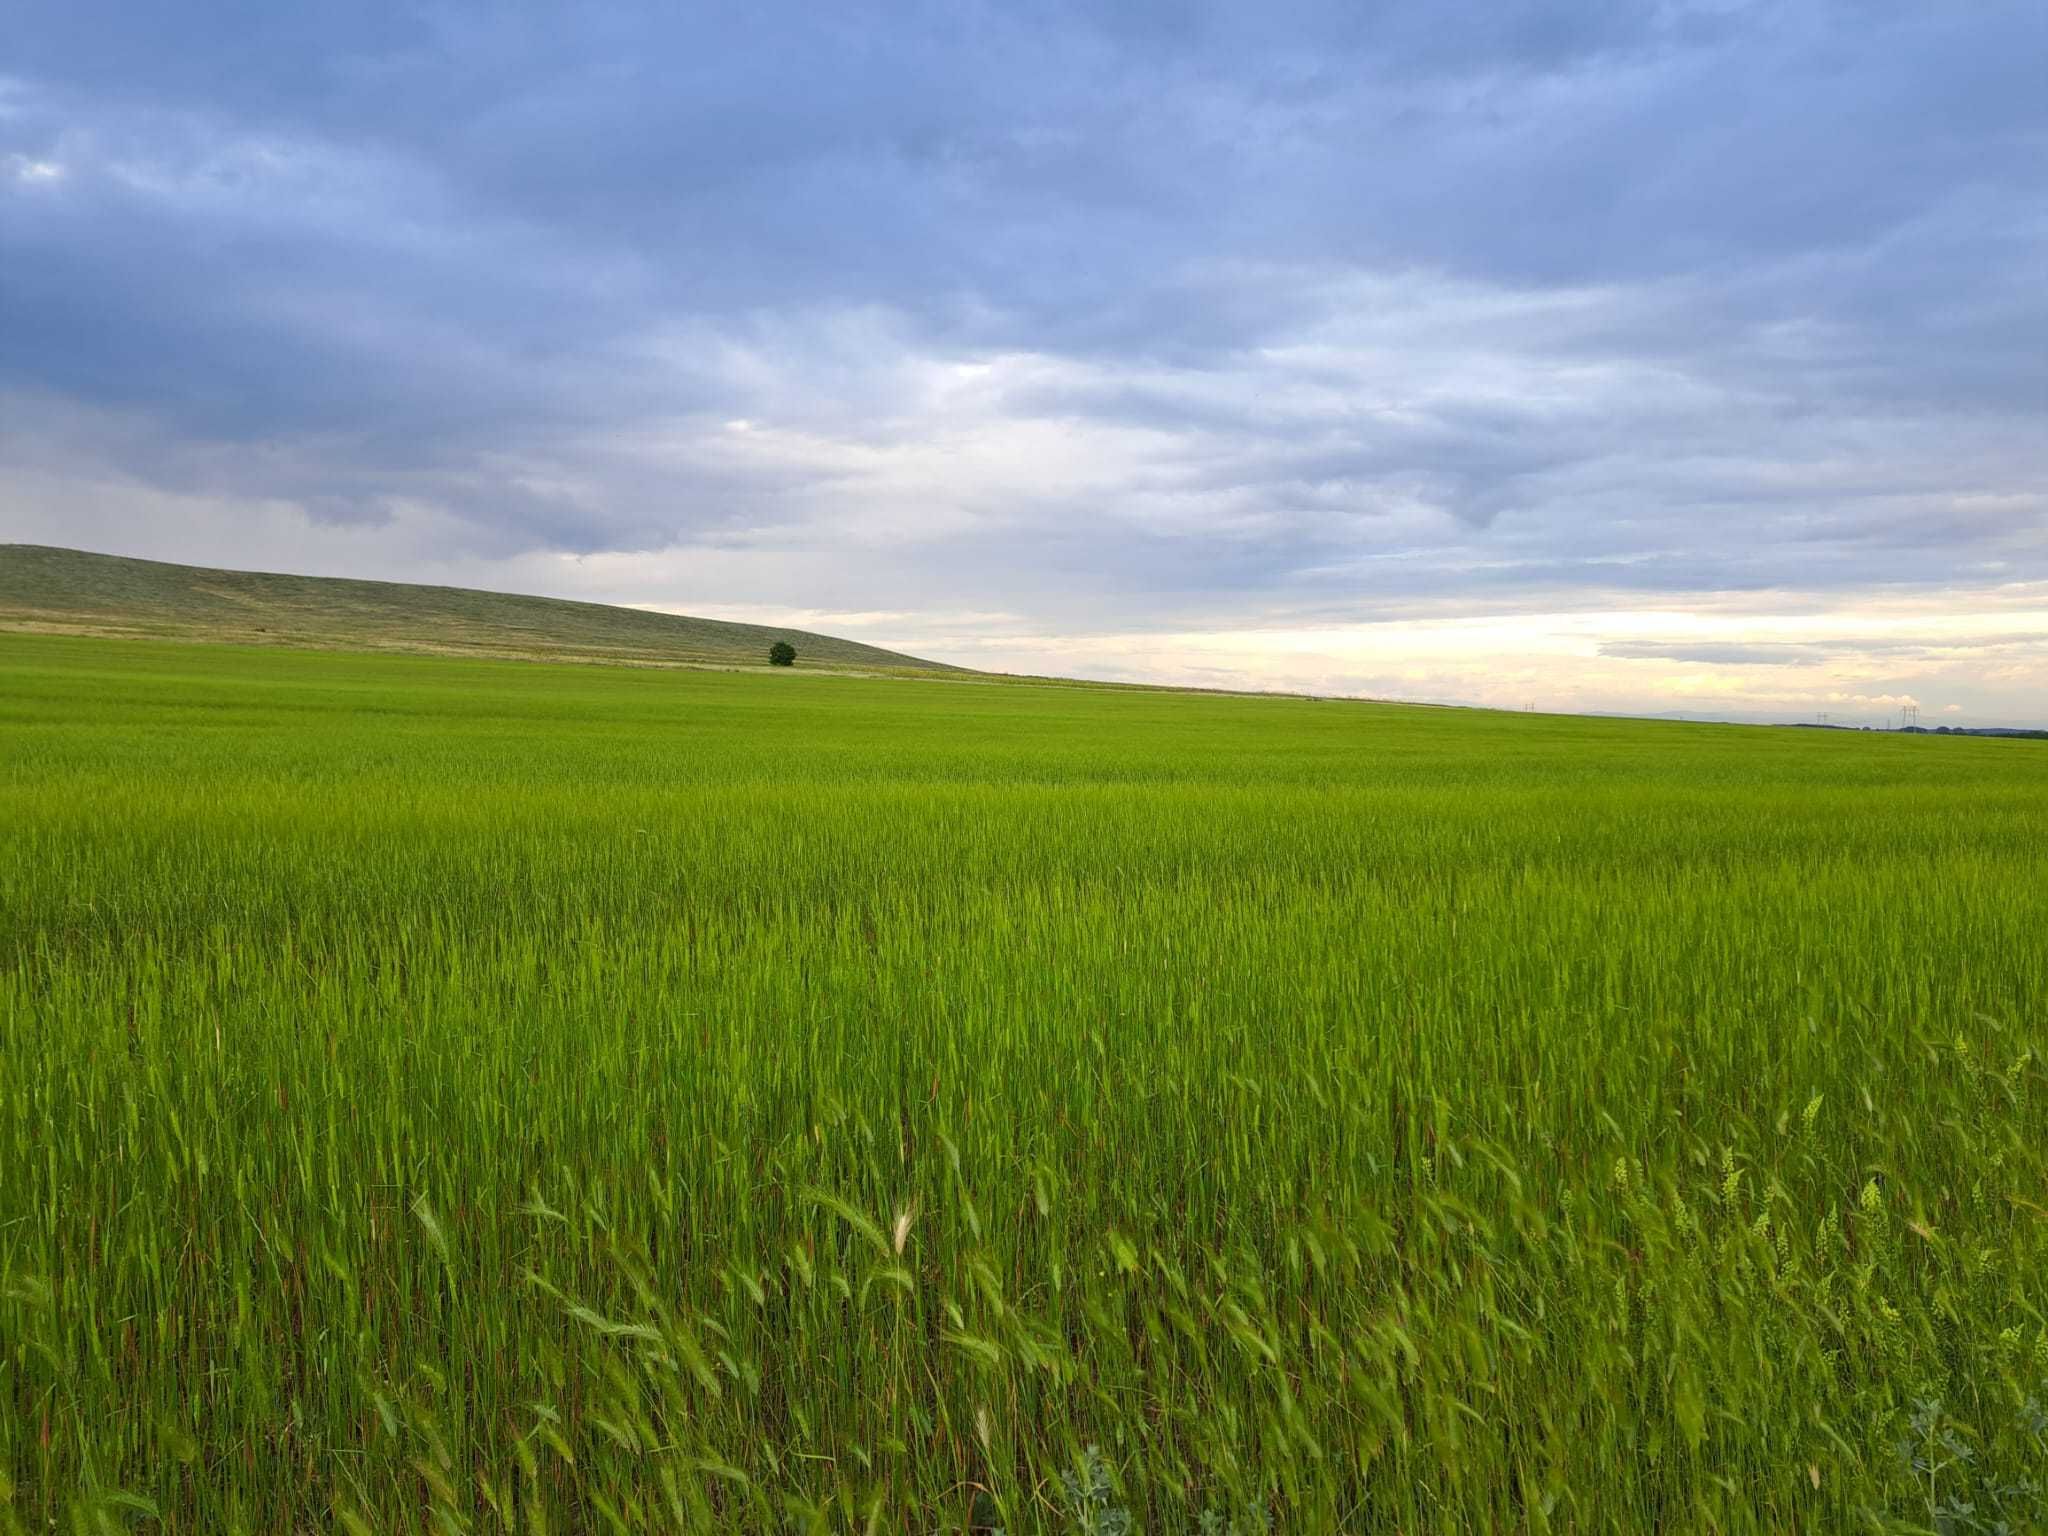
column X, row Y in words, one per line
column 72, row 592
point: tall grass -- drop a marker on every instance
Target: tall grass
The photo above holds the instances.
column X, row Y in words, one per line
column 465, row 1097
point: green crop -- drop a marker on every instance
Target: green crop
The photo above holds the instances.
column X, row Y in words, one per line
column 459, row 1096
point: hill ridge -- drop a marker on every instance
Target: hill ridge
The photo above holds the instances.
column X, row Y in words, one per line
column 51, row 588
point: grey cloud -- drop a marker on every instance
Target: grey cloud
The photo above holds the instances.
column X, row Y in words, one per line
column 1793, row 653
column 1302, row 309
column 1717, row 655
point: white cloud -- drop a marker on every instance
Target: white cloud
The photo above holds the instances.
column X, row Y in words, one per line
column 27, row 169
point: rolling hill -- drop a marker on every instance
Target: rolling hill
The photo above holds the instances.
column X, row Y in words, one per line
column 72, row 591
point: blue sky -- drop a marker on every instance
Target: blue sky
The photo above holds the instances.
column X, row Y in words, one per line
column 1598, row 356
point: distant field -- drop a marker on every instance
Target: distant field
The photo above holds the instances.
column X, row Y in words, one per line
column 69, row 591
column 448, row 1095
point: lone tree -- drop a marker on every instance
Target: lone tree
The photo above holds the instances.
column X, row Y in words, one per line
column 782, row 654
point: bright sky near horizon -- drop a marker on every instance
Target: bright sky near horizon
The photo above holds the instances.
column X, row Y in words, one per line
column 1659, row 357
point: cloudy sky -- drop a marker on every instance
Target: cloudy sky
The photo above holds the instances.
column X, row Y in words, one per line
column 1610, row 356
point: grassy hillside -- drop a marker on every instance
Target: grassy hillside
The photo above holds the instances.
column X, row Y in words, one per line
column 446, row 1095
column 71, row 591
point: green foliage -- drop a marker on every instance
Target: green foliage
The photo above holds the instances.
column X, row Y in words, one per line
column 782, row 654
column 446, row 1095
column 1091, row 1503
column 1960, row 1499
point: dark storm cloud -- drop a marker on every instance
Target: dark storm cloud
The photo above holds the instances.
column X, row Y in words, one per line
column 1217, row 311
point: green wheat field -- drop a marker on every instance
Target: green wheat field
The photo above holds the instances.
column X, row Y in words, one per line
column 448, row 1095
